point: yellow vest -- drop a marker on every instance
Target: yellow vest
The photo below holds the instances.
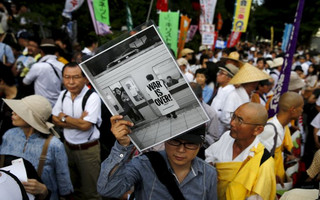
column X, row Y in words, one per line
column 239, row 180
column 278, row 158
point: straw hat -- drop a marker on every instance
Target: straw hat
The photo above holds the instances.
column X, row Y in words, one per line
column 185, row 51
column 230, row 69
column 182, row 61
column 276, row 62
column 248, row 74
column 295, row 81
column 234, row 56
column 35, row 110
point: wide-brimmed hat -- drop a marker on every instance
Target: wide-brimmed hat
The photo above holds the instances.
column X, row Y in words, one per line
column 47, row 43
column 230, row 69
column 248, row 74
column 196, row 135
column 185, row 51
column 182, row 61
column 234, row 56
column 295, row 81
column 275, row 62
column 35, row 110
column 202, row 47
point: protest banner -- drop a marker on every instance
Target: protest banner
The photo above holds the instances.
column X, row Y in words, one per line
column 284, row 77
column 241, row 16
column 207, row 12
column 134, row 78
column 70, row 6
column 191, row 32
column 168, row 28
column 234, row 38
column 99, row 27
column 184, row 26
column 286, row 36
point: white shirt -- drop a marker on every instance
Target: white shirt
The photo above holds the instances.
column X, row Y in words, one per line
column 222, row 150
column 189, row 76
column 275, row 76
column 305, row 67
column 87, row 51
column 46, row 82
column 266, row 137
column 236, row 98
column 74, row 109
column 316, row 123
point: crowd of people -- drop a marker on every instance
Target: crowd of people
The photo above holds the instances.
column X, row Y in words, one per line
column 51, row 118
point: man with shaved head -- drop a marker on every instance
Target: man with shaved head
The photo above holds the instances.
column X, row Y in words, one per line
column 245, row 168
column 276, row 135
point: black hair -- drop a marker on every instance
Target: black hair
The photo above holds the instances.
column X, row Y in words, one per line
column 72, row 64
column 89, row 40
column 202, row 57
column 202, row 71
column 49, row 50
column 6, row 75
column 149, row 77
column 264, row 61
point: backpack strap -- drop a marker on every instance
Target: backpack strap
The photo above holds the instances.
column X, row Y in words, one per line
column 275, row 138
column 55, row 71
column 85, row 98
column 23, row 191
column 266, row 155
column 64, row 96
column 43, row 155
column 166, row 178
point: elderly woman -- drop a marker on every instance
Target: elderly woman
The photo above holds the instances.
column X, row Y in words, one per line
column 32, row 140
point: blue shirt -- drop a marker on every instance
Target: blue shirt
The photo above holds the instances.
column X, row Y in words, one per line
column 207, row 93
column 7, row 51
column 55, row 174
column 200, row 183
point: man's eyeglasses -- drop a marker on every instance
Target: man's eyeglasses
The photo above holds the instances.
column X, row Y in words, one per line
column 240, row 121
column 187, row 145
column 220, row 72
column 77, row 77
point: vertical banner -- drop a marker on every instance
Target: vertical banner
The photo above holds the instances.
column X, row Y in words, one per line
column 233, row 39
column 191, row 32
column 129, row 18
column 184, row 26
column 271, row 36
column 207, row 11
column 101, row 11
column 286, row 36
column 215, row 40
column 99, row 27
column 70, row 6
column 207, row 34
column 241, row 16
column 168, row 28
column 284, row 77
column 220, row 22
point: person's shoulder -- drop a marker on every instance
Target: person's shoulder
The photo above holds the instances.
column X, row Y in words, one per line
column 204, row 166
column 56, row 143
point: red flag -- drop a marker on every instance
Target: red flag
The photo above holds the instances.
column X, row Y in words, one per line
column 162, row 5
column 220, row 22
column 233, row 39
column 215, row 39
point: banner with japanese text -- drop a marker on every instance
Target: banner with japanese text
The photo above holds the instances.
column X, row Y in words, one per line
column 284, row 77
column 101, row 11
column 184, row 26
column 100, row 27
column 207, row 11
column 286, row 36
column 220, row 22
column 233, row 39
column 241, row 16
column 168, row 28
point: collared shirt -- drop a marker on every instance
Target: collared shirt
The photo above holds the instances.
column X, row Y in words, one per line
column 236, row 98
column 46, row 82
column 87, row 51
column 266, row 137
column 222, row 151
column 218, row 101
column 5, row 50
column 200, row 183
column 74, row 109
column 55, row 174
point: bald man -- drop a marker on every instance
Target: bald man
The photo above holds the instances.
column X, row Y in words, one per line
column 245, row 168
column 290, row 108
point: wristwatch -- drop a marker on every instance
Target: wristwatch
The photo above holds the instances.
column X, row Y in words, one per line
column 63, row 119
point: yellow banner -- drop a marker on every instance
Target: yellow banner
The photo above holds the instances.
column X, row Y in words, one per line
column 241, row 15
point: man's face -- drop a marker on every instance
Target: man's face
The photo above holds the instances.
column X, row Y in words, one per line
column 243, row 126
column 223, row 77
column 179, row 156
column 33, row 48
column 297, row 112
column 73, row 79
column 260, row 64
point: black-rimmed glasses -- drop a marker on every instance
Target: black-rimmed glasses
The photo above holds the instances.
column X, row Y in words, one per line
column 240, row 121
column 187, row 145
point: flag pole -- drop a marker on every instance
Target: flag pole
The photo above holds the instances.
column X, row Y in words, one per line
column 150, row 7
